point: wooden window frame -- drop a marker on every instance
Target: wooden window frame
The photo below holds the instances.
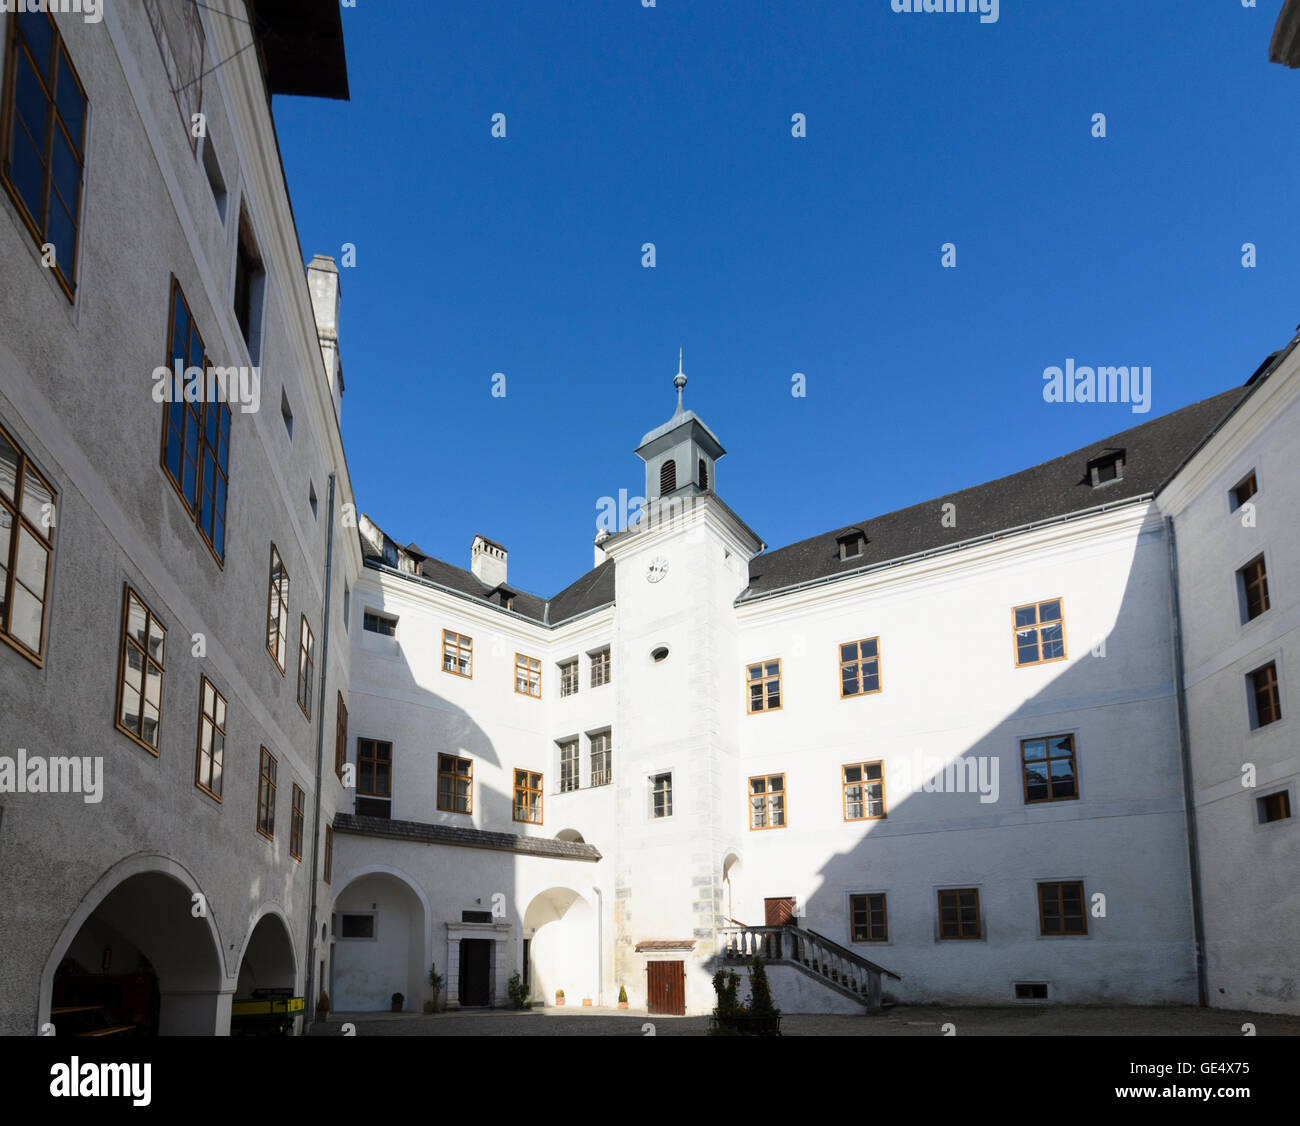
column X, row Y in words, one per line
column 1037, row 625
column 601, row 659
column 151, row 618
column 1273, row 687
column 297, row 820
column 38, row 226
column 868, row 896
column 569, row 685
column 667, row 815
column 1047, row 761
column 204, row 450
column 1235, row 499
column 528, row 665
column 529, row 791
column 217, row 722
column 861, row 662
column 768, row 794
column 1265, row 803
column 979, row 917
column 764, row 678
column 455, row 776
column 606, row 752
column 266, row 791
column 340, row 737
column 18, row 523
column 1256, row 582
column 327, row 872
column 462, row 644
column 307, row 658
column 864, row 782
column 367, row 615
column 281, row 621
column 563, row 745
column 1060, row 886
column 374, row 760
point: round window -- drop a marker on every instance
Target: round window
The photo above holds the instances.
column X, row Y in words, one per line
column 660, row 654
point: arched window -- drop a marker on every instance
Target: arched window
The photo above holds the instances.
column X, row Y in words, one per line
column 704, row 474
column 668, row 476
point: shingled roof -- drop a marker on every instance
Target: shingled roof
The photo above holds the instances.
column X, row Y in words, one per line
column 464, row 836
column 1056, row 488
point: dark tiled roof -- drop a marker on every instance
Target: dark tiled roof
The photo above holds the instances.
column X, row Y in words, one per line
column 463, row 837
column 595, row 588
column 666, row 944
column 1153, row 451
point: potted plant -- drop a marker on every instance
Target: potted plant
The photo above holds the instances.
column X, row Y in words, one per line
column 398, row 1000
column 559, row 997
column 323, row 1006
column 435, row 983
column 622, row 997
column 517, row 992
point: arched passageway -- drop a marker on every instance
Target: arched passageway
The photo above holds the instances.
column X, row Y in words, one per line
column 560, row 932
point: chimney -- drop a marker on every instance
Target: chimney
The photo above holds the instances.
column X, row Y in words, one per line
column 488, row 562
column 600, row 556
column 326, row 294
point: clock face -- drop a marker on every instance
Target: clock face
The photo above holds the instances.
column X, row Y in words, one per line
column 657, row 570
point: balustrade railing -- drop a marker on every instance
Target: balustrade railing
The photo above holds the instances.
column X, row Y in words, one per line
column 814, row 952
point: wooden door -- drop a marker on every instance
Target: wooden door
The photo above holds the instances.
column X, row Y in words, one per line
column 667, row 988
column 778, row 912
column 475, row 959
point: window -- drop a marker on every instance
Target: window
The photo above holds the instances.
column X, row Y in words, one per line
column 296, row 822
column 266, row 796
column 528, row 676
column 601, row 766
column 250, row 289
column 767, row 802
column 277, row 611
column 864, row 791
column 286, row 413
column 1031, row 991
column 212, row 169
column 1252, row 584
column 306, row 666
column 765, row 687
column 661, row 795
column 347, row 605
column 357, row 926
column 312, row 502
column 859, row 668
column 1273, row 807
column 457, row 654
column 329, row 853
column 867, row 918
column 569, row 766
column 211, row 749
column 569, row 677
column 181, row 43
column 528, row 797
column 1060, row 909
column 196, row 434
column 668, row 476
column 379, row 623
column 374, row 778
column 340, row 737
column 1106, row 467
column 851, row 543
column 1265, row 699
column 959, row 913
column 1039, row 632
column 44, row 125
column 1246, row 488
column 1048, row 768
column 140, row 673
column 27, row 520
column 455, row 778
column 704, row 474
column 600, row 670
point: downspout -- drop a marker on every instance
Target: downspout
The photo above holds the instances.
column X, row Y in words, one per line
column 600, row 947
column 320, row 743
column 1185, row 754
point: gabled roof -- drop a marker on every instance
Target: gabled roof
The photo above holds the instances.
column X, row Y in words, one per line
column 1056, row 488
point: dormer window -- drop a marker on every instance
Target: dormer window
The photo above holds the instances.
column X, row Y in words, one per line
column 704, row 474
column 851, row 543
column 1106, row 467
column 503, row 597
column 668, row 476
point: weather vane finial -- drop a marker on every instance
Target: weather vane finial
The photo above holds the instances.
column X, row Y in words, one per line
column 679, row 381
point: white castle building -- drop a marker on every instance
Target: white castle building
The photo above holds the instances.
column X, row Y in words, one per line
column 1028, row 742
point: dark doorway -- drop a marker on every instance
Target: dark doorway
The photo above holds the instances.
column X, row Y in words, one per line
column 667, row 988
column 778, row 912
column 526, row 977
column 475, row 962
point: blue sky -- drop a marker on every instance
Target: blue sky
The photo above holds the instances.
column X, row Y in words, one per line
column 777, row 255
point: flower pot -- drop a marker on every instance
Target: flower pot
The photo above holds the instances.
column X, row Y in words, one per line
column 622, row 1004
column 559, row 1001
column 586, row 1002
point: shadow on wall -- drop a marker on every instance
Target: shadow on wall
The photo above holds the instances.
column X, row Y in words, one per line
column 958, row 819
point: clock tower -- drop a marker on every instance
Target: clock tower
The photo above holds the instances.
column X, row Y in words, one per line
column 680, row 698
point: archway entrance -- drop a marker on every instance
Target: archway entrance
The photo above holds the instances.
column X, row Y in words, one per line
column 266, row 999
column 140, row 963
column 379, row 946
column 560, row 927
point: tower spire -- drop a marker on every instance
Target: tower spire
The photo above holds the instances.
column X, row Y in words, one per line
column 679, row 381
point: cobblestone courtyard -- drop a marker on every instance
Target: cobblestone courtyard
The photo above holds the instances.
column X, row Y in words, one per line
column 925, row 1020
